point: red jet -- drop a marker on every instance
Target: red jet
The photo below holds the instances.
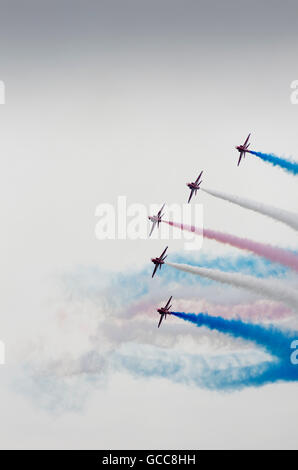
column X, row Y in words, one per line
column 159, row 261
column 156, row 219
column 243, row 149
column 164, row 311
column 194, row 186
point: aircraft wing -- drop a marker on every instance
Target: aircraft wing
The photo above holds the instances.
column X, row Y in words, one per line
column 152, row 228
column 247, row 139
column 168, row 302
column 154, row 270
column 190, row 196
column 163, row 252
column 241, row 155
column 198, row 177
column 160, row 211
column 160, row 320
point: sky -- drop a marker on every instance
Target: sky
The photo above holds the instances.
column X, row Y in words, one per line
column 135, row 98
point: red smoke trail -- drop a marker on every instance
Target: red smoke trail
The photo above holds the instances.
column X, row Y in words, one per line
column 277, row 255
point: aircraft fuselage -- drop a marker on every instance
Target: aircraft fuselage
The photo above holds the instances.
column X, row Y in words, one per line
column 163, row 311
column 157, row 261
column 192, row 186
column 154, row 218
column 241, row 148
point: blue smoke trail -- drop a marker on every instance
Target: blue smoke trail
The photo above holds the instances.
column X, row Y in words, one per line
column 288, row 165
column 221, row 372
column 271, row 339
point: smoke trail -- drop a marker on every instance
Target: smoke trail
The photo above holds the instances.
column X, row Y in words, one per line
column 221, row 372
column 272, row 289
column 288, row 165
column 259, row 310
column 110, row 341
column 277, row 255
column 281, row 215
column 273, row 340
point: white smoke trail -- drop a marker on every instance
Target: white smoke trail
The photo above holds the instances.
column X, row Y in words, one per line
column 268, row 288
column 286, row 217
